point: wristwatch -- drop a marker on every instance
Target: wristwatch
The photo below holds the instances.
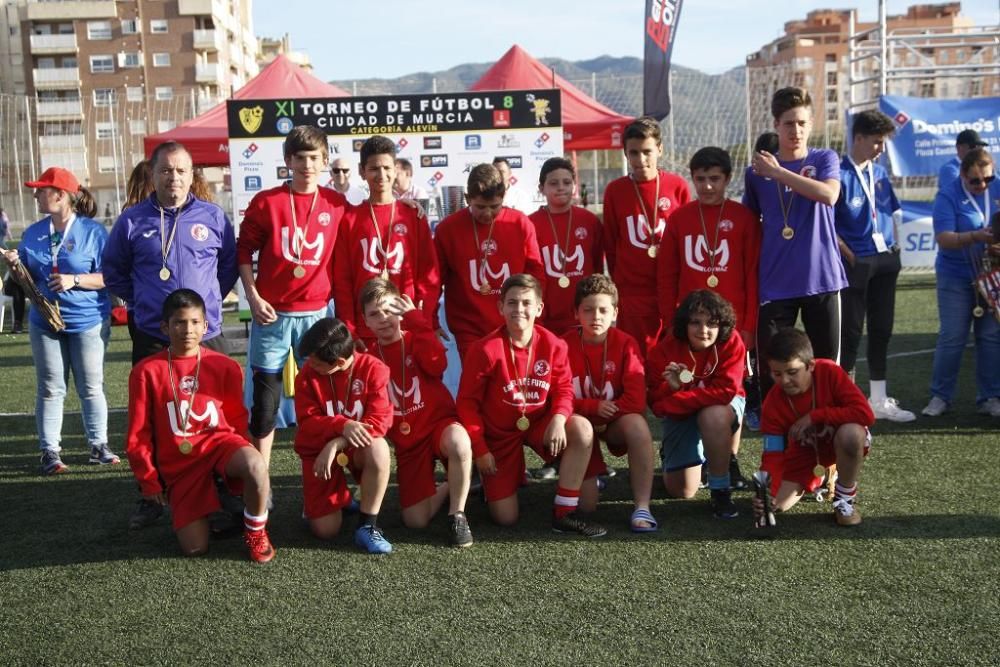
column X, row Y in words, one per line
column 76, row 280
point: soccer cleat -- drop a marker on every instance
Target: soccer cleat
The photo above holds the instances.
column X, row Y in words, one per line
column 146, row 512
column 723, row 505
column 370, row 539
column 51, row 463
column 737, row 482
column 845, row 512
column 752, row 419
column 101, row 455
column 574, row 523
column 461, row 534
column 991, row 407
column 546, row 472
column 935, row 408
column 888, row 408
column 259, row 545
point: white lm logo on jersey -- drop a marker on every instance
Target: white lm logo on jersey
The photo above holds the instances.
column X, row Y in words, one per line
column 316, row 246
column 412, row 396
column 697, row 254
column 588, row 390
column 356, row 412
column 371, row 262
column 497, row 278
column 556, row 262
column 639, row 232
column 207, row 419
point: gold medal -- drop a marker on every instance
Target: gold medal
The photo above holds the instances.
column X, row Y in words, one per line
column 343, row 460
column 385, row 274
column 299, row 271
column 185, row 446
column 404, row 428
column 787, row 233
column 819, row 470
column 978, row 311
column 485, row 289
column 686, row 376
column 712, row 281
column 563, row 282
column 652, row 250
column 164, row 274
column 523, row 423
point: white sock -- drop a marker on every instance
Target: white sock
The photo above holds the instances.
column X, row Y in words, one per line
column 877, row 390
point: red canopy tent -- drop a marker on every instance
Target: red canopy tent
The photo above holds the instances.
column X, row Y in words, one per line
column 207, row 136
column 587, row 124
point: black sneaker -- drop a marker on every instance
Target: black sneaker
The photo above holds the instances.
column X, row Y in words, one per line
column 574, row 523
column 737, row 482
column 723, row 505
column 145, row 514
column 461, row 535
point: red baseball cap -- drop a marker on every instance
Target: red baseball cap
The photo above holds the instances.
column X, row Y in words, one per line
column 56, row 177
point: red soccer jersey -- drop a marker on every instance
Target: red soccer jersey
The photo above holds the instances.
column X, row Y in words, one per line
column 686, row 259
column 612, row 374
column 406, row 252
column 492, row 394
column 718, row 377
column 418, row 394
column 511, row 249
column 155, row 430
column 267, row 229
column 579, row 251
column 628, row 235
column 325, row 403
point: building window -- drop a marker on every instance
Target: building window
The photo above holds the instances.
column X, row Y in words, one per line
column 106, row 164
column 104, row 97
column 133, row 94
column 161, row 60
column 831, row 95
column 927, row 89
column 102, row 64
column 164, row 93
column 831, row 78
column 105, row 130
column 158, row 26
column 69, row 61
column 129, row 26
column 831, row 114
column 129, row 59
column 165, row 126
column 98, row 29
column 137, row 126
column 975, row 88
column 45, row 63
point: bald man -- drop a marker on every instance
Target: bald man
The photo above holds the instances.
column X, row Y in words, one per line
column 340, row 180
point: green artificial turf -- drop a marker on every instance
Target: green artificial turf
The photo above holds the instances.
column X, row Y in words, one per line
column 918, row 583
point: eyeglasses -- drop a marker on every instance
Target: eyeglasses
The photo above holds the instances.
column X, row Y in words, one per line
column 340, row 171
column 986, row 180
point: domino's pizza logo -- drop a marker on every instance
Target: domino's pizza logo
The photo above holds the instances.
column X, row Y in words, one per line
column 435, row 179
column 541, row 368
column 250, row 150
column 542, row 139
column 901, row 118
column 401, row 144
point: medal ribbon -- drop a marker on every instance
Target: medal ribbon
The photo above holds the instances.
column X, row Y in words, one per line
column 484, row 261
column 709, row 369
column 604, row 365
column 522, row 381
column 402, row 357
column 569, row 229
column 652, row 224
column 704, row 230
column 165, row 243
column 299, row 235
column 175, row 389
column 378, row 233
column 347, row 393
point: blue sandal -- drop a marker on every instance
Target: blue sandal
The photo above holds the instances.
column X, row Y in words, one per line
column 642, row 514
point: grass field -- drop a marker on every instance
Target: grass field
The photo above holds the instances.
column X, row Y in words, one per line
column 918, row 583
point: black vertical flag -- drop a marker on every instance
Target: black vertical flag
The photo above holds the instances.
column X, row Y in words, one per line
column 660, row 28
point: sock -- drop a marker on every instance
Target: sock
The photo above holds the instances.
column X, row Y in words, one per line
column 367, row 519
column 718, row 482
column 254, row 523
column 567, row 500
column 877, row 390
column 841, row 491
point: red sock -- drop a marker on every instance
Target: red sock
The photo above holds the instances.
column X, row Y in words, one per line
column 567, row 501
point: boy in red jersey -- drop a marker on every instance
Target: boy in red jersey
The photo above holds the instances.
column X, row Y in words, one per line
column 293, row 228
column 636, row 210
column 516, row 390
column 478, row 248
column 695, row 382
column 813, row 417
column 609, row 389
column 341, row 402
column 187, row 422
column 425, row 424
column 571, row 242
column 383, row 238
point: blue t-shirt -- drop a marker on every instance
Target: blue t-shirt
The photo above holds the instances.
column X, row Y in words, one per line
column 809, row 263
column 949, row 172
column 81, row 252
column 853, row 212
column 955, row 212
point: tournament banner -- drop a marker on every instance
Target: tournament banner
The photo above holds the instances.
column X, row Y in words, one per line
column 926, row 130
column 442, row 135
column 660, row 29
column 917, row 245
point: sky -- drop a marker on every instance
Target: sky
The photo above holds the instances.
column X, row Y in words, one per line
column 355, row 39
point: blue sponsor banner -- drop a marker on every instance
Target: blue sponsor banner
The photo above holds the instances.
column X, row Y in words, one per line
column 917, row 245
column 926, row 130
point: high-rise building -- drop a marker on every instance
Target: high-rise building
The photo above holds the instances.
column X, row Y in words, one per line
column 272, row 47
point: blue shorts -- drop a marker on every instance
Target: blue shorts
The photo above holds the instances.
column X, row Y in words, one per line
column 269, row 343
column 682, row 447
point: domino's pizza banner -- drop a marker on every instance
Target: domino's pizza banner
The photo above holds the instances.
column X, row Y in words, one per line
column 443, row 135
column 926, row 130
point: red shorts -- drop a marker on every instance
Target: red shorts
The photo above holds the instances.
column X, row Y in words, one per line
column 192, row 495
column 509, row 455
column 326, row 496
column 644, row 328
column 415, row 466
column 797, row 464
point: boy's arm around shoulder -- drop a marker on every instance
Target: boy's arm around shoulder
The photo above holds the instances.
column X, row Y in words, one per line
column 140, row 431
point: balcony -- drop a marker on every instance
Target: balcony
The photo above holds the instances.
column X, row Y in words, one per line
column 57, row 78
column 59, row 110
column 74, row 161
column 70, row 9
column 62, row 143
column 45, row 44
column 207, row 40
column 201, row 8
column 208, row 73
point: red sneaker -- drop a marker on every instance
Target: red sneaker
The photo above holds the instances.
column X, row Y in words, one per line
column 259, row 545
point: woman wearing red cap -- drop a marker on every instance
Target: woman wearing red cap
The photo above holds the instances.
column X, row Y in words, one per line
column 62, row 252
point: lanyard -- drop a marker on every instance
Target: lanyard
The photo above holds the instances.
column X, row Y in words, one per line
column 184, row 416
column 654, row 242
column 867, row 187
column 383, row 247
column 518, row 379
column 595, row 391
column 299, row 235
column 986, row 203
column 347, row 393
column 563, row 247
column 165, row 243
column 56, row 247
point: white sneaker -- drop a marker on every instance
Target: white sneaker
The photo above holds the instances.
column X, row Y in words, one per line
column 935, row 408
column 888, row 408
column 991, row 407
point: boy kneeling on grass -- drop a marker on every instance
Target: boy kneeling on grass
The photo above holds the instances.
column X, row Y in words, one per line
column 813, row 417
column 343, row 410
column 694, row 376
column 425, row 423
column 515, row 391
column 187, row 423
